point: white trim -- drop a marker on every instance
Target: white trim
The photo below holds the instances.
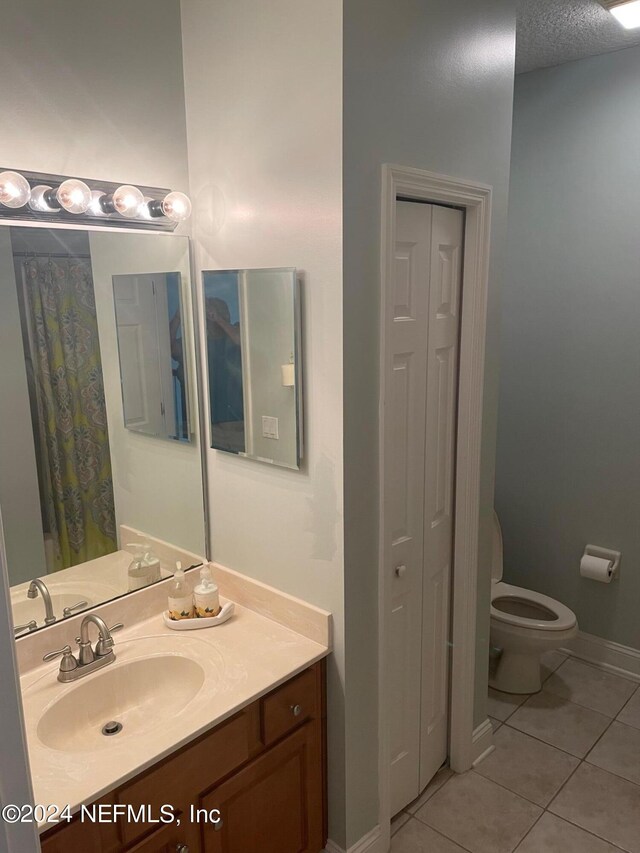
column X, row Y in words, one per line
column 605, row 654
column 475, row 200
column 372, row 842
column 482, row 742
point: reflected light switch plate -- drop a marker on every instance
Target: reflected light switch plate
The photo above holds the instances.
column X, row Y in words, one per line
column 269, row 427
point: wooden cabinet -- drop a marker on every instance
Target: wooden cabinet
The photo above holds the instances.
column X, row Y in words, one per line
column 262, row 772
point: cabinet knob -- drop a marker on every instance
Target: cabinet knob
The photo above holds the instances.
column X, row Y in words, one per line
column 182, row 848
column 296, row 710
column 218, row 826
column 400, row 571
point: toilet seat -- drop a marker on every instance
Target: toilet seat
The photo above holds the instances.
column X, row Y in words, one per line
column 563, row 619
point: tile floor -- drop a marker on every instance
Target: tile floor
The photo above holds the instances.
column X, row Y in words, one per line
column 564, row 776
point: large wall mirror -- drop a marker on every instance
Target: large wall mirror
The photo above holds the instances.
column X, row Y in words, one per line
column 85, row 482
column 253, row 360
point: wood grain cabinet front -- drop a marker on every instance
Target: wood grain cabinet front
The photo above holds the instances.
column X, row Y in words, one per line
column 262, row 771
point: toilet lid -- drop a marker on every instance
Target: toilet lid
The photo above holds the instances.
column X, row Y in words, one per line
column 564, row 618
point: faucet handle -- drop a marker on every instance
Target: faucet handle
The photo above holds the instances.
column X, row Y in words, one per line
column 68, row 662
column 30, row 626
column 69, row 610
column 103, row 647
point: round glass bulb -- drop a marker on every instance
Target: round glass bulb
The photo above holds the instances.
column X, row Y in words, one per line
column 14, row 189
column 95, row 208
column 74, row 196
column 38, row 200
column 127, row 200
column 176, row 206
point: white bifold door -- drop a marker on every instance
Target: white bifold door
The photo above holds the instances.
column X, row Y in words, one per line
column 422, row 328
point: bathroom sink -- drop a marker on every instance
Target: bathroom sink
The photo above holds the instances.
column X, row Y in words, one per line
column 138, row 695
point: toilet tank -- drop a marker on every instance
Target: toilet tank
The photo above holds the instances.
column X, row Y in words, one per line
column 496, row 550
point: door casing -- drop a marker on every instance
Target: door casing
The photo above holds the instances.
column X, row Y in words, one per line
column 465, row 744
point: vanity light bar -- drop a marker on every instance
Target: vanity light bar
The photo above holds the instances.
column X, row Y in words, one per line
column 37, row 196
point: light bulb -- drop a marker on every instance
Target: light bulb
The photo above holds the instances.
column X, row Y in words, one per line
column 41, row 199
column 127, row 199
column 74, row 196
column 628, row 14
column 95, row 206
column 14, row 189
column 176, row 206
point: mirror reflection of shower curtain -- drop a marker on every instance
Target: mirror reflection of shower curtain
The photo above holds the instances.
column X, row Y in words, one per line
column 74, row 461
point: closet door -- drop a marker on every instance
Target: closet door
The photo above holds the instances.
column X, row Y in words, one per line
column 421, row 325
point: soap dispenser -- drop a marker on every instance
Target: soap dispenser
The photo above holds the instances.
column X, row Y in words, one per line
column 144, row 569
column 206, row 596
column 180, row 597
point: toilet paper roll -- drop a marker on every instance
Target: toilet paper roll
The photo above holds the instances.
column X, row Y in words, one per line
column 596, row 568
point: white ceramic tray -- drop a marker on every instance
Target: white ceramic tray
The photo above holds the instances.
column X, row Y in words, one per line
column 195, row 624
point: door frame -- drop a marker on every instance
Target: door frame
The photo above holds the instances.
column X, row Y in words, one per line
column 475, row 200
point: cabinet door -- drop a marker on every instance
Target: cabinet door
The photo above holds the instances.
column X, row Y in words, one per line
column 274, row 805
column 170, row 839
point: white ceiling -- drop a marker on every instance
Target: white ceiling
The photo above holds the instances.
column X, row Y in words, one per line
column 554, row 31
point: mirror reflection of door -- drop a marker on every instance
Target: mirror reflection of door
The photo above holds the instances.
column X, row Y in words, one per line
column 152, row 356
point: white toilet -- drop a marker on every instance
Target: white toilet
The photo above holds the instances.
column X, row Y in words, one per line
column 524, row 625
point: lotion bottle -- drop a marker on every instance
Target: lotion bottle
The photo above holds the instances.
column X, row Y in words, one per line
column 207, row 599
column 180, row 597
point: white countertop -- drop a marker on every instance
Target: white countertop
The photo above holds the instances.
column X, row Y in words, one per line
column 243, row 659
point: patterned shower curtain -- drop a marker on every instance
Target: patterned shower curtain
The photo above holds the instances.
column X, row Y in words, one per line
column 75, row 463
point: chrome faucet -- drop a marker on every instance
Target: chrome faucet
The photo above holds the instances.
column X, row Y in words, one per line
column 89, row 658
column 38, row 586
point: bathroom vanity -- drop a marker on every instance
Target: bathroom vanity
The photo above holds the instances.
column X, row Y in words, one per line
column 222, row 739
column 259, row 776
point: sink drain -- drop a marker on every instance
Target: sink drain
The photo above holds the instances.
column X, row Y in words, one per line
column 111, row 728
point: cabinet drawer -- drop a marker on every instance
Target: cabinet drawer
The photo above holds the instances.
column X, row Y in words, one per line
column 289, row 705
column 179, row 779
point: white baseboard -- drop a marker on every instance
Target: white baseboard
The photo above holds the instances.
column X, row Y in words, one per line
column 610, row 656
column 482, row 742
column 370, row 843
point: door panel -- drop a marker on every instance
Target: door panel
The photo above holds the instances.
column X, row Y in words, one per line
column 442, row 388
column 404, row 496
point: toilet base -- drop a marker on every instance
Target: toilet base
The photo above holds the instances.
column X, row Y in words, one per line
column 517, row 673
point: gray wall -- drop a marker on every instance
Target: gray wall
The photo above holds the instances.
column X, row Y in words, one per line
column 569, row 437
column 94, row 90
column 19, row 496
column 427, row 84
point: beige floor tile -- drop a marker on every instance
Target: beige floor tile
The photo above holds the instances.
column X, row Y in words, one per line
column 502, row 705
column 618, row 751
column 549, row 662
column 590, row 687
column 560, row 723
column 399, row 821
column 527, row 766
column 630, row 714
column 479, row 815
column 416, row 837
column 551, row 834
column 442, row 776
column 603, row 804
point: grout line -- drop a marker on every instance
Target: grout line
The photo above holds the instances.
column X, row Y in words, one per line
column 546, row 742
column 528, row 832
column 443, row 834
column 588, row 832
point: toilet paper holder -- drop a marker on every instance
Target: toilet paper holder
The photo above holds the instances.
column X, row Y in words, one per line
column 605, row 554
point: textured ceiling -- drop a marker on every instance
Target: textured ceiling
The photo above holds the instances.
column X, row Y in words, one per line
column 554, row 31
